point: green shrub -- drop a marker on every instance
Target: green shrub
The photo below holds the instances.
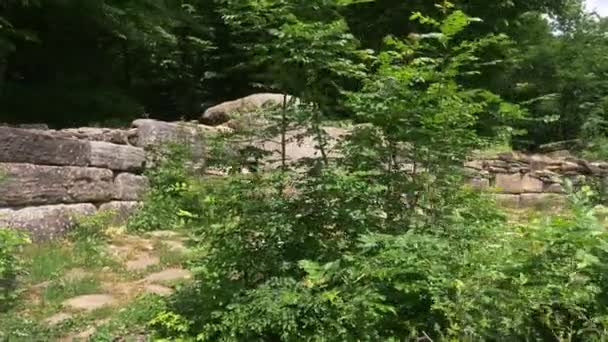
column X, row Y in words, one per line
column 11, row 242
column 91, row 227
column 384, row 244
column 170, row 190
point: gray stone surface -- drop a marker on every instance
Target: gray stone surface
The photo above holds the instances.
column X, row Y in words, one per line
column 480, row 183
column 40, row 147
column 299, row 148
column 117, row 157
column 153, row 132
column 89, row 302
column 168, row 275
column 141, row 262
column 114, row 136
column 531, row 184
column 130, row 187
column 45, row 222
column 28, row 184
column 509, row 183
column 158, row 290
column 223, row 112
column 122, row 210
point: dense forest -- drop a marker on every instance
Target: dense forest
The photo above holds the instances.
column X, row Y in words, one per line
column 379, row 236
column 70, row 63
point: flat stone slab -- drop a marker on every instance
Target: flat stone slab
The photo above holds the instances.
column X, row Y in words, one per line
column 168, row 275
column 58, row 318
column 169, row 234
column 39, row 147
column 142, row 261
column 158, row 290
column 176, row 246
column 89, row 302
column 29, row 185
column 45, row 222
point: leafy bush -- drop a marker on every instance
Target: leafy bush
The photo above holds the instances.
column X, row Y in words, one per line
column 384, row 243
column 11, row 242
column 170, row 190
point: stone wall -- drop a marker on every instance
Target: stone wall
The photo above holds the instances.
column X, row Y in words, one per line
column 532, row 180
column 51, row 177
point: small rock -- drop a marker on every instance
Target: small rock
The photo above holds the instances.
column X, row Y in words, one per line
column 158, row 290
column 168, row 275
column 163, row 234
column 89, row 302
column 84, row 335
column 175, row 246
column 142, row 261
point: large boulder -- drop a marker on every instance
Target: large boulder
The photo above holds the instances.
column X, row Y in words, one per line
column 28, row 184
column 130, row 187
column 223, row 112
column 300, row 146
column 45, row 222
column 41, row 147
column 154, row 135
column 117, row 157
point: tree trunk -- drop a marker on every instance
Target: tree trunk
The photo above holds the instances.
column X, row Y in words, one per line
column 284, row 134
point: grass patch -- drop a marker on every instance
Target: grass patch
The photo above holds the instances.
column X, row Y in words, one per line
column 61, row 290
column 50, row 260
column 47, row 261
column 492, row 151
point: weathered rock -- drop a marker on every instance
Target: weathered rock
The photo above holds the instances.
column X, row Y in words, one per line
column 300, row 148
column 158, row 290
column 223, row 112
column 28, row 184
column 544, row 201
column 122, row 210
column 480, row 183
column 567, row 166
column 114, row 136
column 531, row 184
column 45, row 222
column 130, row 187
column 154, row 133
column 474, row 164
column 58, row 318
column 168, row 275
column 164, row 234
column 142, row 261
column 39, row 147
column 117, row 157
column 560, row 154
column 554, row 188
column 89, row 302
column 508, row 201
column 508, row 156
column 509, row 183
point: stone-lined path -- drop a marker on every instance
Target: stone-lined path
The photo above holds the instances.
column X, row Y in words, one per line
column 143, row 272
